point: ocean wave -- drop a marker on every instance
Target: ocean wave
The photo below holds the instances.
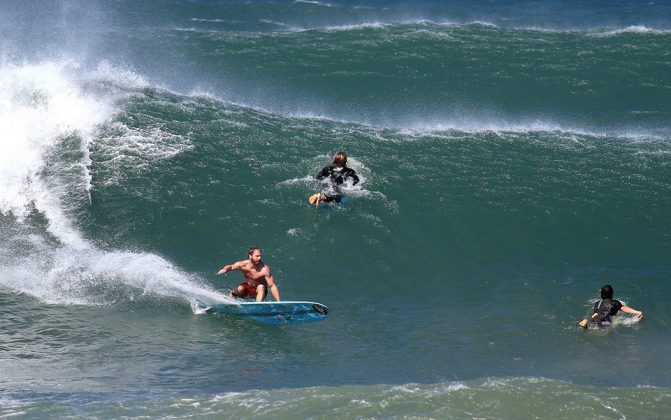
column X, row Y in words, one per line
column 442, row 24
column 634, row 29
column 482, row 398
column 485, row 125
column 50, row 115
column 469, row 124
column 474, row 125
column 43, row 104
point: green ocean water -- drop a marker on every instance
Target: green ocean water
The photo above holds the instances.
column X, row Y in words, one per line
column 511, row 163
column 497, row 398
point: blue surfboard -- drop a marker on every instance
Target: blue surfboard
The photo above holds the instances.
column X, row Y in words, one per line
column 275, row 313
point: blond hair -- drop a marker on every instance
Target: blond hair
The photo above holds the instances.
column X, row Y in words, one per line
column 340, row 159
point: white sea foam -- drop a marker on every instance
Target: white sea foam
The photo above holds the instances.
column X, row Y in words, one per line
column 501, row 125
column 294, row 231
column 119, row 76
column 134, row 148
column 590, row 31
column 65, row 275
column 488, row 124
column 280, row 24
column 345, row 28
column 635, row 29
column 205, row 20
column 314, row 3
column 40, row 105
column 308, row 179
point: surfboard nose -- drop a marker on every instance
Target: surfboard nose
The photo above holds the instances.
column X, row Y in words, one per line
column 320, row 308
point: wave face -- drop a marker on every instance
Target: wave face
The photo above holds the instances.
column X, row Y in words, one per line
column 514, row 157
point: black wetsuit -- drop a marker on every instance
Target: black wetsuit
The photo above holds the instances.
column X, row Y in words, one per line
column 337, row 175
column 605, row 308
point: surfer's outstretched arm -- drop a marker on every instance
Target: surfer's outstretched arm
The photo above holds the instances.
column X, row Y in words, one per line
column 230, row 267
column 629, row 310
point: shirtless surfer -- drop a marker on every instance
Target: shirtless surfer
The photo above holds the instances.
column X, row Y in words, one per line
column 258, row 278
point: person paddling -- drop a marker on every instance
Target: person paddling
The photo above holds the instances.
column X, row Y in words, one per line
column 607, row 307
column 337, row 174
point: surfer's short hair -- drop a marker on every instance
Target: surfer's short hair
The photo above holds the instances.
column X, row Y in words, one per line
column 607, row 292
column 340, row 159
column 251, row 250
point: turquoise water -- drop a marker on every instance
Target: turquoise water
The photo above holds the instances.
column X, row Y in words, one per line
column 514, row 158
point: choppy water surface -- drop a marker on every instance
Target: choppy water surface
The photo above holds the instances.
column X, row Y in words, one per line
column 514, row 158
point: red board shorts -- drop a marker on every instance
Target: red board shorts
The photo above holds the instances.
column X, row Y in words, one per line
column 248, row 291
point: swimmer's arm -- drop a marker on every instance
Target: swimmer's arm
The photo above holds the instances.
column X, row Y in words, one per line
column 632, row 311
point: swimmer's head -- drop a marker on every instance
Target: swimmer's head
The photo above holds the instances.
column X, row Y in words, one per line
column 607, row 292
column 340, row 159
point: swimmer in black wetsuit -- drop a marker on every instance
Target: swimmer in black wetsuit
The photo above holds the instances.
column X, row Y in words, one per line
column 337, row 174
column 606, row 307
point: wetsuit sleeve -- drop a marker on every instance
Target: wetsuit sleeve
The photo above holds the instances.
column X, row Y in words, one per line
column 617, row 305
column 352, row 174
column 324, row 173
column 332, row 198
